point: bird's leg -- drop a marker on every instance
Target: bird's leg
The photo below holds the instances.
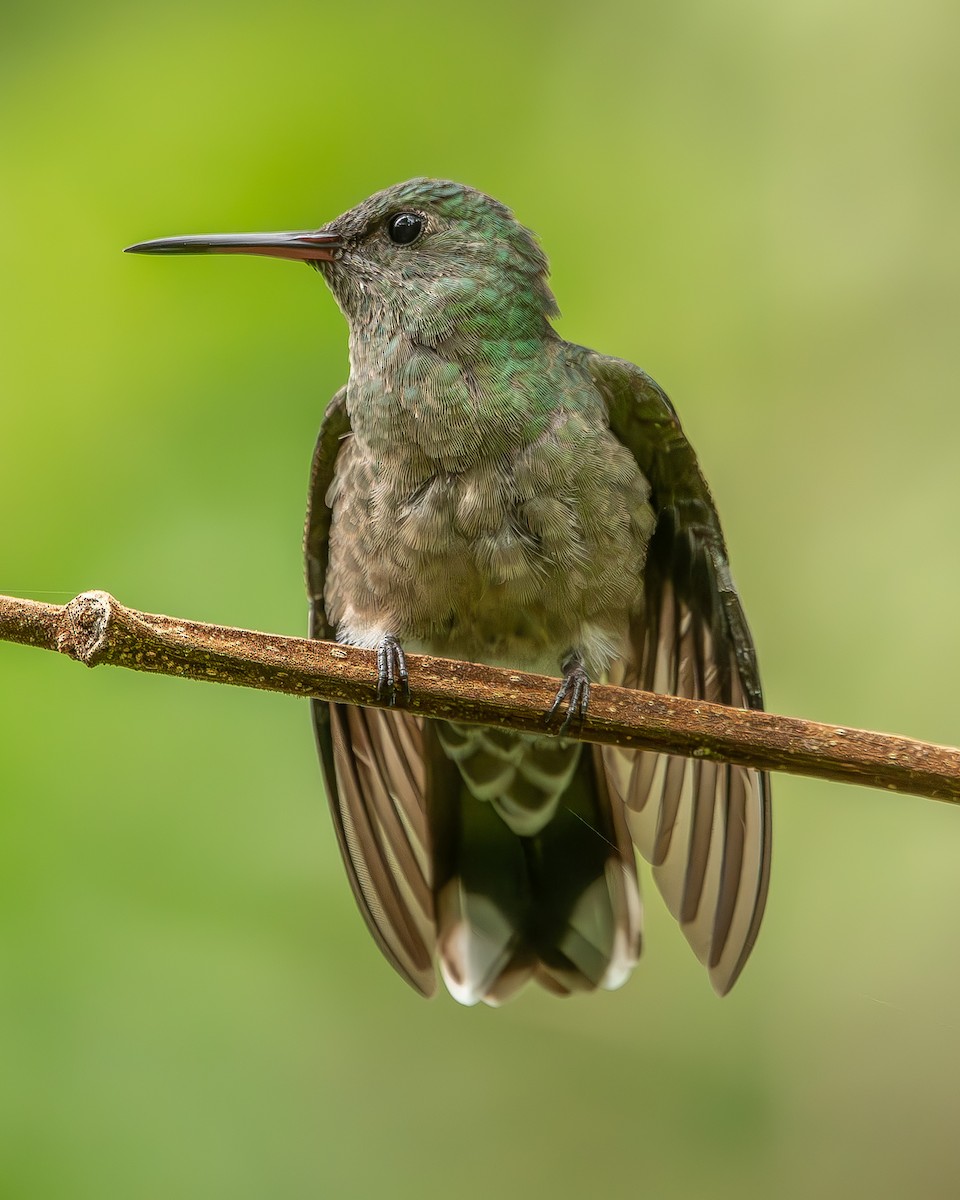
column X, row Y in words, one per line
column 393, row 683
column 573, row 695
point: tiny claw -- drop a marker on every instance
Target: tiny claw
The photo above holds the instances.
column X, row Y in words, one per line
column 393, row 682
column 573, row 693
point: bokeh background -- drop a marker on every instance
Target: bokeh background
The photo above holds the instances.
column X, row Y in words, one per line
column 758, row 203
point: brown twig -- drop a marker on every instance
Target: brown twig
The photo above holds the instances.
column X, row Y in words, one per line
column 93, row 628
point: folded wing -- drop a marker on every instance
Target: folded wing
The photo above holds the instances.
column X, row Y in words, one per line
column 704, row 826
column 373, row 763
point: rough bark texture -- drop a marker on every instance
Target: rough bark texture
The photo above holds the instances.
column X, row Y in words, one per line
column 94, row 628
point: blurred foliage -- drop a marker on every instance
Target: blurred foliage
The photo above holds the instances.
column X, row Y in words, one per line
column 757, row 203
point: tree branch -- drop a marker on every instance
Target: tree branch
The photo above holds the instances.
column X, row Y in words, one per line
column 93, row 628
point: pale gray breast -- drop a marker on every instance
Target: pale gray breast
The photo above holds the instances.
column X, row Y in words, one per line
column 510, row 557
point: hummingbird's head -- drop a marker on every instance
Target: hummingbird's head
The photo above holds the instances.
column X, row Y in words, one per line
column 429, row 258
column 438, row 259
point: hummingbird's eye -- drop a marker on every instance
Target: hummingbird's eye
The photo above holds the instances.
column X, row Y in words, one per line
column 405, row 228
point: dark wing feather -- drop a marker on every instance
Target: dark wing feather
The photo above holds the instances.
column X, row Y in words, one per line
column 373, row 764
column 705, row 827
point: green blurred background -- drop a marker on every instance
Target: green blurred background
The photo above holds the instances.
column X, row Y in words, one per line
column 758, row 203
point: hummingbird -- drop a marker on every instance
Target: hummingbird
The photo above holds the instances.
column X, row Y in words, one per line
column 483, row 490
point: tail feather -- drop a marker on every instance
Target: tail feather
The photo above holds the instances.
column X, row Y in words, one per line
column 561, row 906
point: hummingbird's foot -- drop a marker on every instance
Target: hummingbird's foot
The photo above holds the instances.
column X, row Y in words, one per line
column 572, row 698
column 393, row 683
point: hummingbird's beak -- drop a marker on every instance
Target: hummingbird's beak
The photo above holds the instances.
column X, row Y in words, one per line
column 311, row 247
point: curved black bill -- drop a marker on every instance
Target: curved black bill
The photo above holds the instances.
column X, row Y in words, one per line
column 318, row 246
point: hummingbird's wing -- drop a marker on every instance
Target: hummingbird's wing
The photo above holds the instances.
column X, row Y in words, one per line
column 704, row 826
column 374, row 765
